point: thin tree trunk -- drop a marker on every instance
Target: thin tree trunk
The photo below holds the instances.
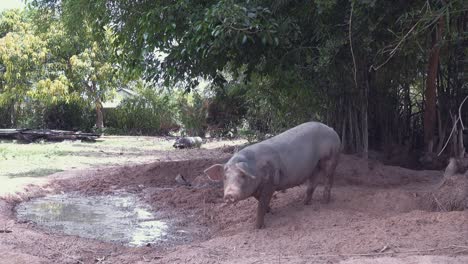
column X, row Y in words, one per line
column 13, row 115
column 357, row 133
column 440, row 143
column 343, row 135
column 365, row 133
column 407, row 109
column 98, row 105
column 430, row 93
column 461, row 146
column 454, row 138
column 99, row 115
column 351, row 131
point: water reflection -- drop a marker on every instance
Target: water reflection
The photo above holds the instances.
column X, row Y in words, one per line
column 108, row 218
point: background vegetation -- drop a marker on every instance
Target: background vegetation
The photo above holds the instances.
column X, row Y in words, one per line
column 384, row 74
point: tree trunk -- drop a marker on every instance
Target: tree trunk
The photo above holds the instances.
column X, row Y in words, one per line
column 98, row 105
column 442, row 129
column 351, row 132
column 357, row 133
column 430, row 93
column 13, row 115
column 365, row 123
column 461, row 146
column 343, row 135
column 99, row 115
column 407, row 110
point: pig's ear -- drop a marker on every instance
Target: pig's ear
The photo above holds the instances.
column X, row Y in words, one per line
column 215, row 172
column 244, row 168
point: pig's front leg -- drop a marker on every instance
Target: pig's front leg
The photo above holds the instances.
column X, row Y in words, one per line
column 263, row 198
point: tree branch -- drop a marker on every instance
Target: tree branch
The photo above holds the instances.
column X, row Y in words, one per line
column 351, row 43
column 454, row 125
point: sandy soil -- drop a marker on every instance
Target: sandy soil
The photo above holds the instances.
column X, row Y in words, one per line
column 375, row 217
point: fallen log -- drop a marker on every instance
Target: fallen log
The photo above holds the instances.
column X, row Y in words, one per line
column 31, row 135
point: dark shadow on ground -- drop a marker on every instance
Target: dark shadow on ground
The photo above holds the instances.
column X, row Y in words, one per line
column 33, row 173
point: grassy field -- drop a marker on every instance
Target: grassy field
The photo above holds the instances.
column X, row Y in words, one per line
column 40, row 159
column 44, row 158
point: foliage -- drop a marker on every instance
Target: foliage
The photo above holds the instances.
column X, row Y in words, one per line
column 22, row 54
column 272, row 110
column 44, row 62
column 151, row 112
column 70, row 115
column 192, row 110
column 358, row 65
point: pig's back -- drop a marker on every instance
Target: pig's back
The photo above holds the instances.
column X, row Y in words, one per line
column 301, row 147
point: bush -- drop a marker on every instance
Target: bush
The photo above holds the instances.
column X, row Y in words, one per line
column 287, row 106
column 262, row 106
column 73, row 115
column 227, row 110
column 5, row 115
column 151, row 112
column 192, row 110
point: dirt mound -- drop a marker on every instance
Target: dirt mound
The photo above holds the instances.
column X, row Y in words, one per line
column 160, row 174
column 357, row 171
column 452, row 193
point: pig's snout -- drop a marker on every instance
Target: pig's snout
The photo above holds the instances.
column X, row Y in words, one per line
column 231, row 196
column 229, row 199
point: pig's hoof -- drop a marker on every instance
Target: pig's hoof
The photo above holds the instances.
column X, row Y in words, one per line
column 326, row 200
column 307, row 201
column 259, row 225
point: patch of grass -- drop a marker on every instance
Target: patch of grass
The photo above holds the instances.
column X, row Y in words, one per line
column 44, row 158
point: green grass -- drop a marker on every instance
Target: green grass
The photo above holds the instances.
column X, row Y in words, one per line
column 23, row 162
column 44, row 158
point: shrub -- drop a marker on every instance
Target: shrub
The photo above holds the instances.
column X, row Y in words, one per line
column 75, row 114
column 72, row 115
column 192, row 109
column 151, row 112
column 227, row 110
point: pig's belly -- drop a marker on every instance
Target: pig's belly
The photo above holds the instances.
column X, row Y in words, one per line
column 297, row 175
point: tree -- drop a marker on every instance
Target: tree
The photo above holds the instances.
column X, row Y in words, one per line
column 93, row 70
column 366, row 60
column 21, row 56
column 43, row 61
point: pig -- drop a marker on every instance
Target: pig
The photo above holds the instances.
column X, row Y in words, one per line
column 188, row 142
column 300, row 154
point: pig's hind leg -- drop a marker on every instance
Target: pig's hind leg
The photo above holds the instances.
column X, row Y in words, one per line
column 312, row 183
column 328, row 167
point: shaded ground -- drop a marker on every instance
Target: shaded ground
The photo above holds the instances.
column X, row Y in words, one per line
column 375, row 217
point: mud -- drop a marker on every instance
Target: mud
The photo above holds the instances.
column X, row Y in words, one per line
column 375, row 216
column 119, row 218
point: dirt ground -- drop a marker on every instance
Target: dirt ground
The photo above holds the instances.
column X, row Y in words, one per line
column 375, row 216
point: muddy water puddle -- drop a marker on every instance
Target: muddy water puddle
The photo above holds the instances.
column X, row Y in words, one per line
column 111, row 218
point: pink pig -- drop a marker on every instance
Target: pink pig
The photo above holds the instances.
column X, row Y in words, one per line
column 289, row 159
